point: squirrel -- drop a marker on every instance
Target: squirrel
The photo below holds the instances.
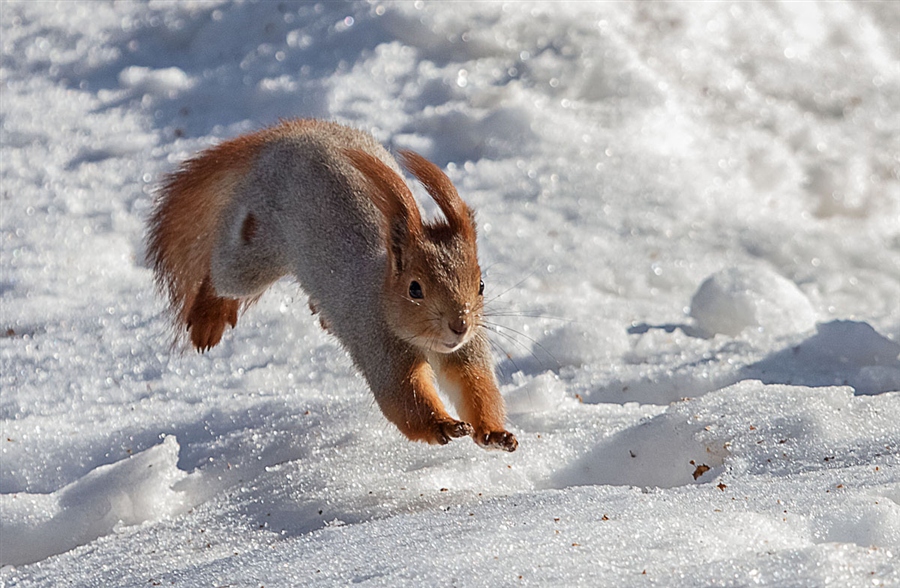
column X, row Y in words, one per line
column 328, row 204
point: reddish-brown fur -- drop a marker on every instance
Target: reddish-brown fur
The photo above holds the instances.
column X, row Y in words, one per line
column 208, row 316
column 426, row 419
column 459, row 216
column 391, row 194
column 482, row 405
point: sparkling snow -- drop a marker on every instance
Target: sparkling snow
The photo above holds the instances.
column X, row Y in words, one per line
column 690, row 224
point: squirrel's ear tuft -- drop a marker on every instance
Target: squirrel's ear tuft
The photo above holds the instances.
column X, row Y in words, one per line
column 391, row 195
column 459, row 216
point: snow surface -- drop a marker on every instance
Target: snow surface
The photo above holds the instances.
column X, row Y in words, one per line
column 690, row 221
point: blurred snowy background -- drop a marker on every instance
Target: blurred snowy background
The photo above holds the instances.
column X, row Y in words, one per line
column 690, row 220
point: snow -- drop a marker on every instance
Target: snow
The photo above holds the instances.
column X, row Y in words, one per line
column 735, row 299
column 690, row 223
column 127, row 492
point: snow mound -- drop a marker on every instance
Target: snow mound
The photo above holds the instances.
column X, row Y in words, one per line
column 747, row 428
column 735, row 299
column 849, row 353
column 578, row 344
column 543, row 393
column 129, row 492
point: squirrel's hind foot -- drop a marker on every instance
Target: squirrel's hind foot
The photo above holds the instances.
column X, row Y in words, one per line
column 209, row 315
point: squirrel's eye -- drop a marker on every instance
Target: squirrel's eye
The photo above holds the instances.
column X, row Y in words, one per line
column 415, row 290
column 480, row 287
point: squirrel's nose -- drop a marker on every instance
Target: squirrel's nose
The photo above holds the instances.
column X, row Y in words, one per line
column 459, row 325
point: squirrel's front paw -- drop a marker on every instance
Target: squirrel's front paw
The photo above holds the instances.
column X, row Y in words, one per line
column 452, row 429
column 503, row 440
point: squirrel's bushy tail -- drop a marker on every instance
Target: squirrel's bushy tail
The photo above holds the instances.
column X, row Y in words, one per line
column 183, row 230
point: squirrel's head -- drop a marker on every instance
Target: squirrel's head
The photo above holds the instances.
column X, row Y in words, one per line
column 433, row 288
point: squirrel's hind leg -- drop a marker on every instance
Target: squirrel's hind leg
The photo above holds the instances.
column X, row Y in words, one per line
column 245, row 262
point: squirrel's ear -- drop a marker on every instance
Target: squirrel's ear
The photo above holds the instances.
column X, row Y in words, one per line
column 391, row 195
column 459, row 216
